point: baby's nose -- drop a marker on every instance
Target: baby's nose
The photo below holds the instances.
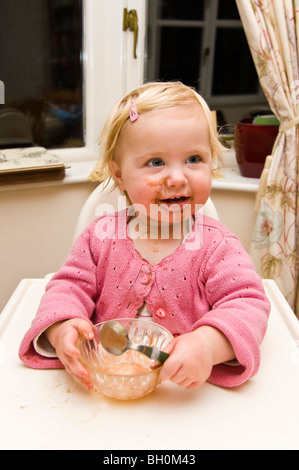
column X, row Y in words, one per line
column 175, row 177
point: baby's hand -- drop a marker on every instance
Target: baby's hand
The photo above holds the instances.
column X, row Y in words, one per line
column 190, row 362
column 64, row 338
column 193, row 355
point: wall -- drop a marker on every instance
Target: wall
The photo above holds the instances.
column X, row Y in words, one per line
column 36, row 231
column 236, row 211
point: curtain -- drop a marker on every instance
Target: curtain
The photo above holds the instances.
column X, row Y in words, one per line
column 272, row 31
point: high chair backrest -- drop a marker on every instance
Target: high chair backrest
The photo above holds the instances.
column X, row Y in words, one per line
column 105, row 199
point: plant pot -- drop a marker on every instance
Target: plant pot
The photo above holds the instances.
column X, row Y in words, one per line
column 253, row 143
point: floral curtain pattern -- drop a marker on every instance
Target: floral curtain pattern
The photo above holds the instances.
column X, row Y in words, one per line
column 272, row 30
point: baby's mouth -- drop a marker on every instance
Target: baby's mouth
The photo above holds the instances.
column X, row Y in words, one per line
column 175, row 200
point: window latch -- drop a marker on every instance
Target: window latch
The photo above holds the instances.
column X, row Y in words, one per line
column 130, row 21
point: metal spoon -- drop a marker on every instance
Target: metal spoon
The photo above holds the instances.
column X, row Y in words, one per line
column 114, row 338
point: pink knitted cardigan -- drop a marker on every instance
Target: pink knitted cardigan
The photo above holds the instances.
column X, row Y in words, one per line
column 209, row 280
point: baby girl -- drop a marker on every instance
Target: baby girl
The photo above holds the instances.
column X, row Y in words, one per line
column 160, row 255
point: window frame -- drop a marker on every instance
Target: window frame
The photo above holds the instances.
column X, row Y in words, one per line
column 103, row 26
column 209, row 24
column 90, row 76
column 109, row 70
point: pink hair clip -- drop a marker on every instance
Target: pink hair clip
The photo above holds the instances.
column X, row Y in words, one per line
column 133, row 112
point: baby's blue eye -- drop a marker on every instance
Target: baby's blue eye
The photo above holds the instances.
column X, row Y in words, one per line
column 193, row 159
column 155, row 162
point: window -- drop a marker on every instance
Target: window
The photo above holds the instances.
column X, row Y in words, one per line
column 41, row 71
column 203, row 44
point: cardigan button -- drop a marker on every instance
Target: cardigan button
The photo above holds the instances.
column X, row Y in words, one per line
column 161, row 312
column 146, row 276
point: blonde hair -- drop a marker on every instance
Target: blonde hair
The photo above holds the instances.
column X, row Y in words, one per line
column 148, row 97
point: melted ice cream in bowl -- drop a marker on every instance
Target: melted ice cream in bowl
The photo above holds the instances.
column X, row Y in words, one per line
column 129, row 374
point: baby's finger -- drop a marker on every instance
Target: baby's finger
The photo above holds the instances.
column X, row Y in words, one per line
column 72, row 337
column 170, row 369
column 84, row 328
column 170, row 347
column 79, row 373
column 85, row 381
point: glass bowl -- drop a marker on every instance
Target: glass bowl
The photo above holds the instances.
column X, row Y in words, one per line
column 128, row 376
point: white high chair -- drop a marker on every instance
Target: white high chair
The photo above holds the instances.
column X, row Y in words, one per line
column 107, row 199
column 41, row 397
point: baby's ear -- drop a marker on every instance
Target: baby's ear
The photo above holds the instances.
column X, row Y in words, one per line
column 115, row 172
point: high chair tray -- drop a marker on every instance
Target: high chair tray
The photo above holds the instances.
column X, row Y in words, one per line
column 46, row 409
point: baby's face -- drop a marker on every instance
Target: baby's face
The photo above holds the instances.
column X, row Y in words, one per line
column 164, row 161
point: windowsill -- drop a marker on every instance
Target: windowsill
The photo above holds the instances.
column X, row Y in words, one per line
column 77, row 172
column 79, row 164
column 230, row 178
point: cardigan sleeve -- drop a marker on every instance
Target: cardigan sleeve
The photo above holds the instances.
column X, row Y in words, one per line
column 239, row 308
column 69, row 294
